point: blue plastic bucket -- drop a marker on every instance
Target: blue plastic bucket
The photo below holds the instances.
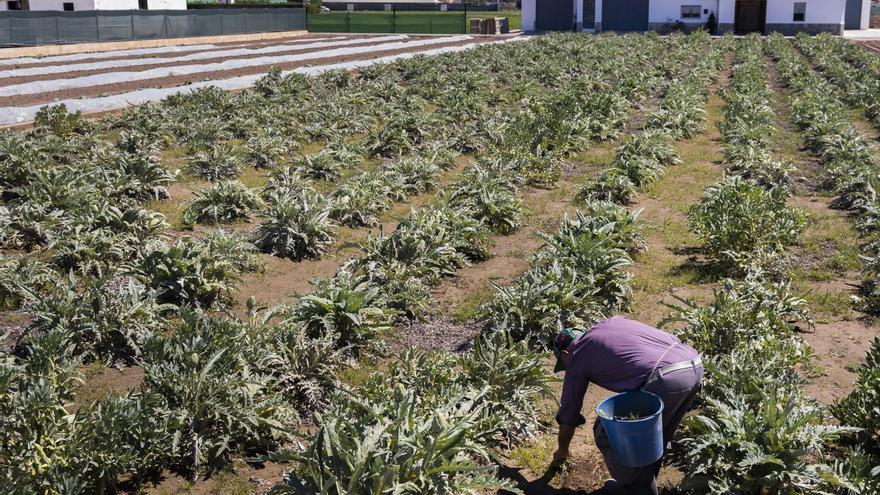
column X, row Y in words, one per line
column 635, row 442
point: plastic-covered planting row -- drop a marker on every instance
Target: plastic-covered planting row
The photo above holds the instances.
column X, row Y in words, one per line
column 221, row 52
column 131, row 52
column 109, row 78
column 16, row 115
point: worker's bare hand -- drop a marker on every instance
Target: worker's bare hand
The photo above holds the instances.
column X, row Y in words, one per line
column 560, row 456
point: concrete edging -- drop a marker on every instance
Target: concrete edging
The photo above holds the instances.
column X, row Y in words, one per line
column 47, row 50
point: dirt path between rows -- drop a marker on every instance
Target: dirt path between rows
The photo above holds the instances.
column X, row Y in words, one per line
column 825, row 268
column 672, row 266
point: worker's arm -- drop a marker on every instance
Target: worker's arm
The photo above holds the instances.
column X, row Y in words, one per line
column 569, row 416
column 566, row 433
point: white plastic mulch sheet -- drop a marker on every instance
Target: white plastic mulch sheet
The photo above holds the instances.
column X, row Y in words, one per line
column 15, row 115
column 133, row 52
column 37, row 87
column 201, row 55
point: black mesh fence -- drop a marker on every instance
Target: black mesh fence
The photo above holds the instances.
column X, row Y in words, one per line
column 372, row 17
column 25, row 28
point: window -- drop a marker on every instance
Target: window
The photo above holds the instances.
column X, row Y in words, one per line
column 67, row 6
column 690, row 11
column 13, row 5
column 800, row 11
column 142, row 4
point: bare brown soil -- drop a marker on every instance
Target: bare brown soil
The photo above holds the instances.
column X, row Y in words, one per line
column 435, row 334
column 240, row 479
column 102, row 90
column 840, row 346
column 12, row 326
column 873, row 45
column 101, row 383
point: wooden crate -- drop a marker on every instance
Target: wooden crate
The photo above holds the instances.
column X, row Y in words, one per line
column 478, row 26
column 497, row 25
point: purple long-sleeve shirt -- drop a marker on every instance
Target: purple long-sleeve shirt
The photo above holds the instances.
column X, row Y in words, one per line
column 617, row 354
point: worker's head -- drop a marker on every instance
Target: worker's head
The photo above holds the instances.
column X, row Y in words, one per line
column 562, row 344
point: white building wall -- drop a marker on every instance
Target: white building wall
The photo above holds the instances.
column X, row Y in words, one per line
column 151, row 4
column 166, row 4
column 58, row 4
column 667, row 11
column 818, row 11
column 726, row 11
column 116, row 4
column 79, row 5
column 528, row 15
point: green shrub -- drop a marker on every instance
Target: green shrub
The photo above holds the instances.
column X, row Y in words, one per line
column 743, row 225
column 107, row 319
column 217, row 162
column 741, row 312
column 218, row 400
column 323, row 165
column 412, row 176
column 223, row 202
column 576, row 279
column 313, row 7
column 490, row 202
column 358, row 202
column 286, row 182
column 774, row 446
column 347, row 308
column 56, row 119
column 265, row 151
column 193, row 272
column 296, row 228
column 613, row 185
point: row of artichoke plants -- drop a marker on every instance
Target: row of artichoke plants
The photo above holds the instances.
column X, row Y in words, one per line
column 216, row 386
column 748, row 334
column 851, row 68
column 851, row 169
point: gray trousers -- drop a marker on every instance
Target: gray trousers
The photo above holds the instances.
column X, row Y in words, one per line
column 678, row 390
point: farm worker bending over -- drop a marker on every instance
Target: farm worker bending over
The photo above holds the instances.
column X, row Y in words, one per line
column 623, row 355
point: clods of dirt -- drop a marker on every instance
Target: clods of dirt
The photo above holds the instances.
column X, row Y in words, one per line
column 436, row 334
